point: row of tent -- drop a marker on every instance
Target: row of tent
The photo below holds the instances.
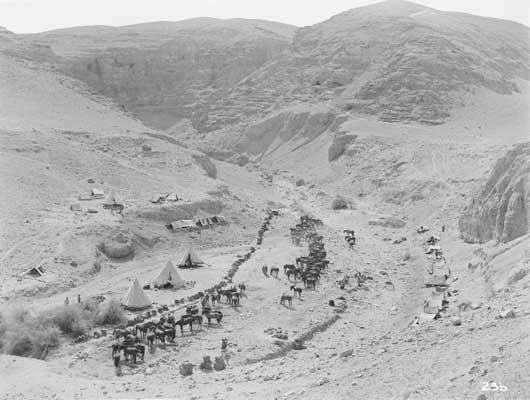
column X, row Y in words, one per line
column 136, row 299
column 199, row 222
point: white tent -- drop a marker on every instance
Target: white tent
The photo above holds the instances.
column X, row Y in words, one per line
column 111, row 199
column 136, row 299
column 189, row 259
column 97, row 193
column 168, row 274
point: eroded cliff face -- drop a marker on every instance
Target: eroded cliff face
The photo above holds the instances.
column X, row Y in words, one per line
column 501, row 210
column 165, row 71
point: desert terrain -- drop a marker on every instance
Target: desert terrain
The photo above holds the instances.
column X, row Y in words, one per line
column 427, row 127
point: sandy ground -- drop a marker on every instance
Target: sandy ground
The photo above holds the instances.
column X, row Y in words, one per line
column 418, row 175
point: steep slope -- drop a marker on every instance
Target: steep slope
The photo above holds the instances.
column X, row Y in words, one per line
column 212, row 83
column 500, row 210
column 397, row 60
column 162, row 71
column 57, row 141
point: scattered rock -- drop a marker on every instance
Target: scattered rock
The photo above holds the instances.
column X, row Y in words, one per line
column 186, row 369
column 347, row 353
column 507, row 314
column 219, row 364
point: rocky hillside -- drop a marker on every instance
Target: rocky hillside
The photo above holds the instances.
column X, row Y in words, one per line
column 165, row 71
column 501, row 210
column 397, row 60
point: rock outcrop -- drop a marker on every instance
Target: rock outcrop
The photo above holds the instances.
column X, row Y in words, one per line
column 501, row 210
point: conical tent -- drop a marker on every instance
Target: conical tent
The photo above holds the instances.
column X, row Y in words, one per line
column 168, row 274
column 136, row 299
column 111, row 198
column 189, row 259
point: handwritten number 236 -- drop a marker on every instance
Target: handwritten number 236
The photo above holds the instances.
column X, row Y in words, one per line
column 494, row 387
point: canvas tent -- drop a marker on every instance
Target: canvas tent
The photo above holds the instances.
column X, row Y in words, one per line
column 437, row 280
column 111, row 199
column 168, row 275
column 189, row 259
column 97, row 193
column 432, row 248
column 136, row 299
column 182, row 224
column 434, row 303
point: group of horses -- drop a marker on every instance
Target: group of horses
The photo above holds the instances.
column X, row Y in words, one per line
column 304, row 229
column 307, row 269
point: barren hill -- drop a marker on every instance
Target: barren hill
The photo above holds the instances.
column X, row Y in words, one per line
column 395, row 60
column 162, row 70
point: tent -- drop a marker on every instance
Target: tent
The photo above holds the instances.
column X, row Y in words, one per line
column 432, row 248
column 168, row 274
column 136, row 299
column 435, row 302
column 190, row 259
column 97, row 193
column 35, row 271
column 437, row 280
column 182, row 224
column 111, row 199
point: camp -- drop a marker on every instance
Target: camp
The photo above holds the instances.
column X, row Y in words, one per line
column 168, row 277
column 136, row 299
column 189, row 259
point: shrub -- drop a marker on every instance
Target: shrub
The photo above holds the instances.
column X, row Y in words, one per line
column 69, row 319
column 110, row 313
column 339, row 203
column 22, row 334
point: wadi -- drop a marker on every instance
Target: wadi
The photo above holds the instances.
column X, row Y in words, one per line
column 240, row 209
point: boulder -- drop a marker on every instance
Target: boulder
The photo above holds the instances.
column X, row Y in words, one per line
column 510, row 313
column 186, row 369
column 219, row 364
column 456, row 321
column 206, row 364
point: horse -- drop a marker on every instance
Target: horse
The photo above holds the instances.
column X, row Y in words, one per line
column 297, row 290
column 242, row 287
column 310, row 282
column 235, row 299
column 160, row 335
column 116, row 348
column 185, row 321
column 275, row 271
column 216, row 297
column 129, row 353
column 171, row 333
column 116, row 358
column 151, row 336
column 291, row 272
column 288, row 267
column 114, row 207
column 217, row 315
column 288, row 298
column 140, row 348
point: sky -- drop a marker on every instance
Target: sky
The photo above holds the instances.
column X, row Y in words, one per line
column 26, row 16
